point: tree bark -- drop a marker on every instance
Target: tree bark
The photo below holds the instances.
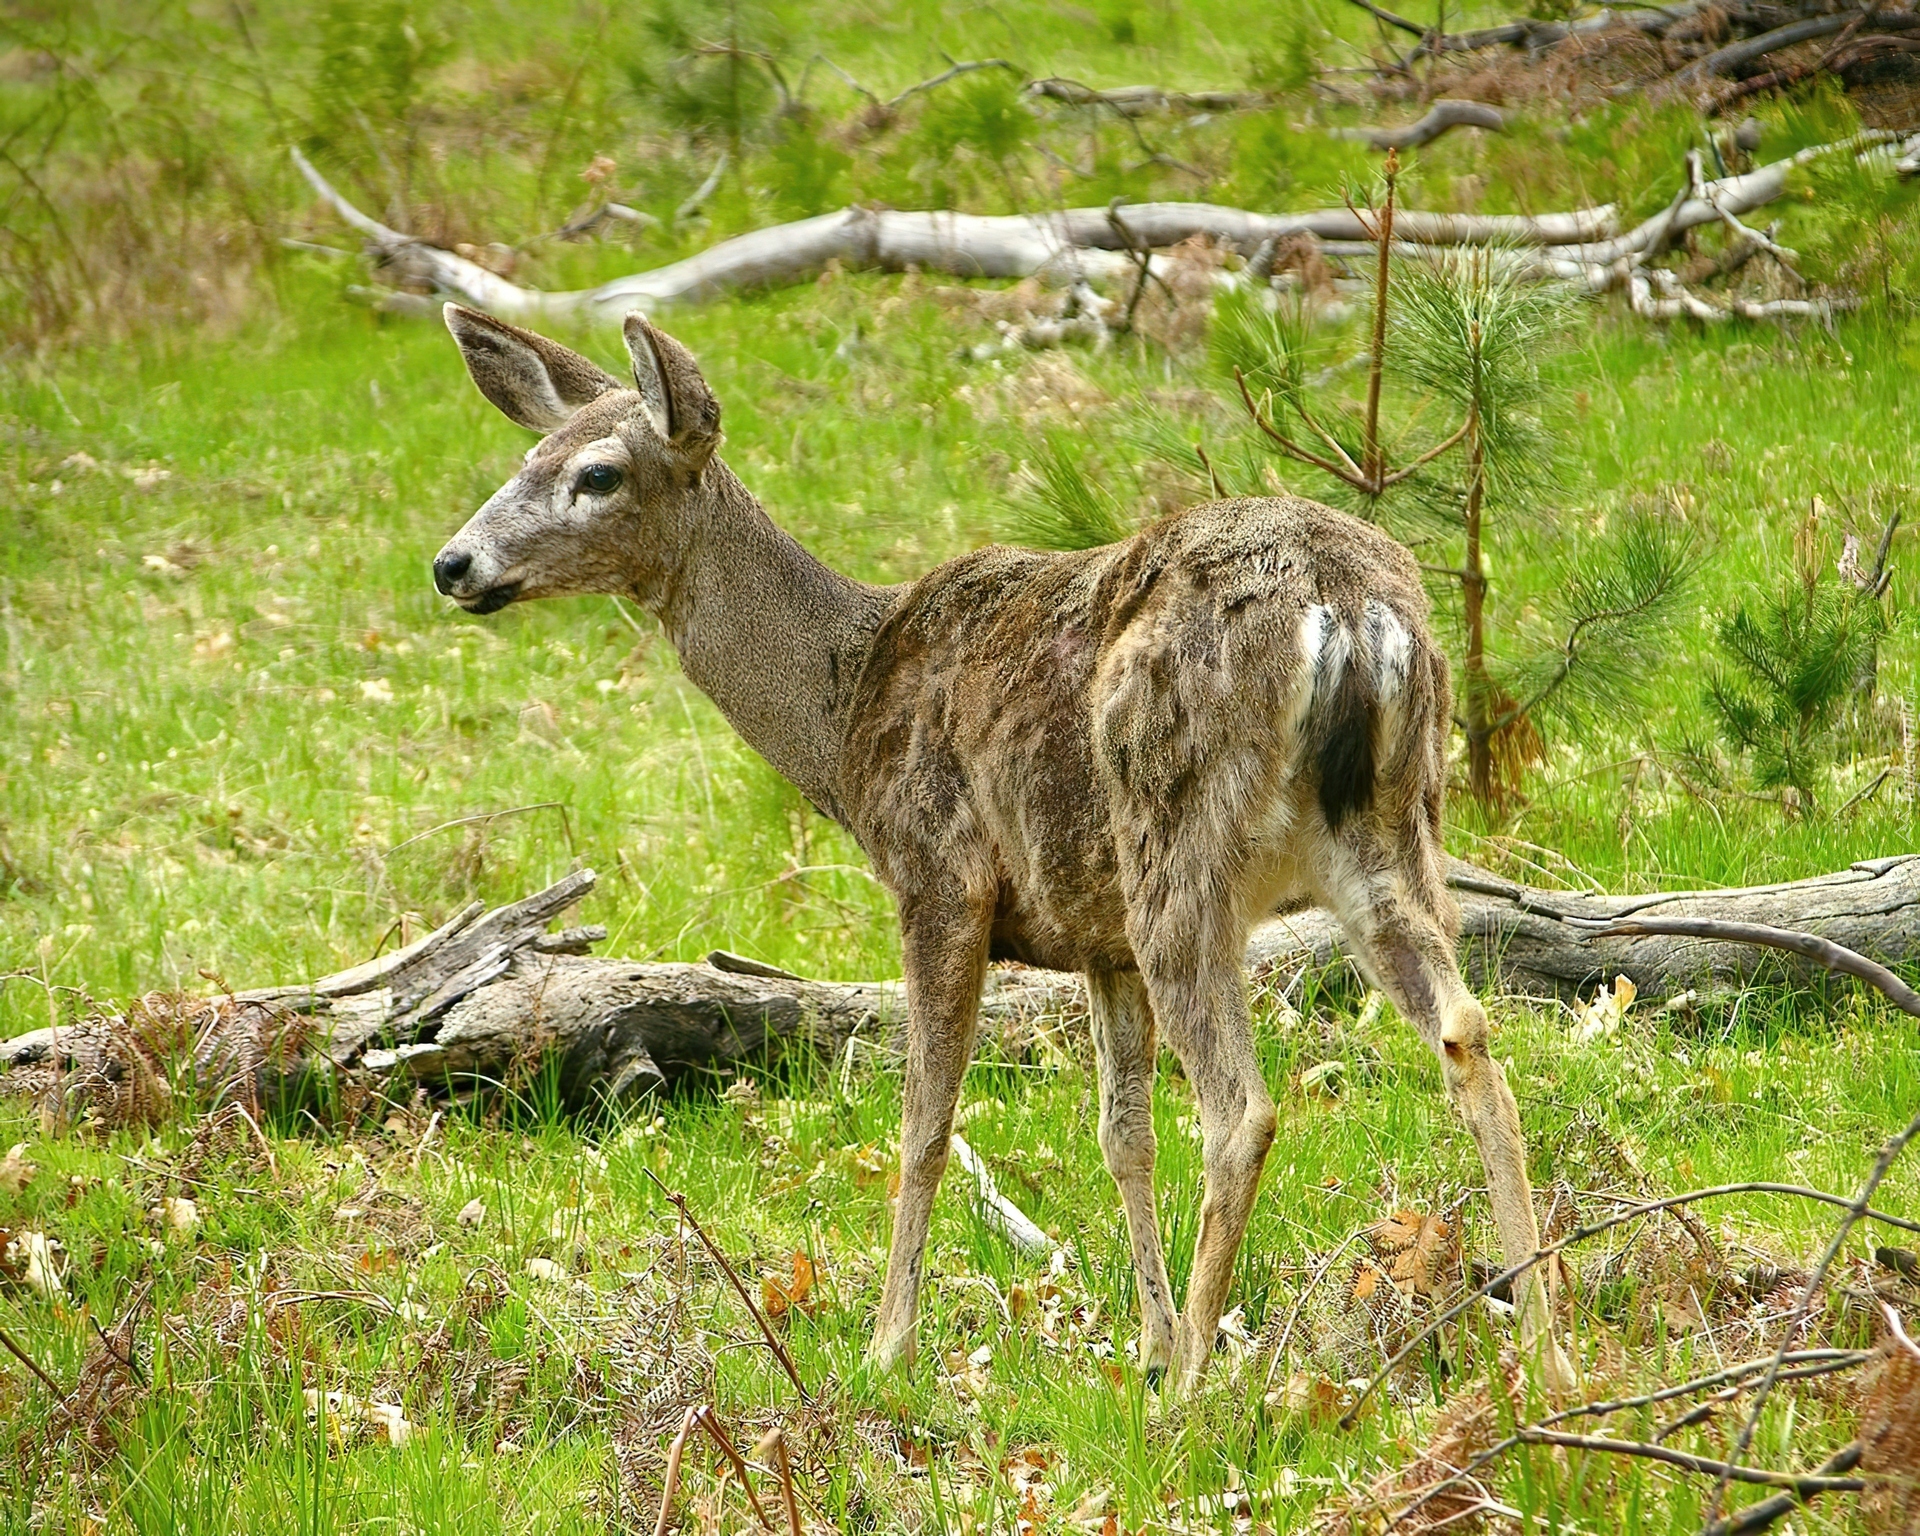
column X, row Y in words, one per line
column 494, row 998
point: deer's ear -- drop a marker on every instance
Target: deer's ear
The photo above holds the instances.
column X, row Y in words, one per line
column 682, row 406
column 535, row 382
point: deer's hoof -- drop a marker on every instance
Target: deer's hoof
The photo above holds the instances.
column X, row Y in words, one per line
column 1557, row 1373
column 1156, row 1357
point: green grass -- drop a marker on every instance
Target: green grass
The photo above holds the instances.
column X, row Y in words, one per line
column 206, row 776
column 244, row 743
column 360, row 1230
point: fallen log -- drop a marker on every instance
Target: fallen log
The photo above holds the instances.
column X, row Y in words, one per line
column 1076, row 245
column 491, row 999
column 1071, row 245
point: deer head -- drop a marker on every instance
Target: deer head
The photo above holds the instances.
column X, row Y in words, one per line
column 605, row 490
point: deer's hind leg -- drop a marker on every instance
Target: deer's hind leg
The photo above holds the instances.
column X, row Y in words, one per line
column 1402, row 935
column 1123, row 1048
column 944, row 950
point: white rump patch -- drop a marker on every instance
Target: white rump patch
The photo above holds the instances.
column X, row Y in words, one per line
column 1391, row 647
column 1325, row 645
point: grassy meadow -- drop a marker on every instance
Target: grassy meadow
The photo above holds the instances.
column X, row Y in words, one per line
column 243, row 742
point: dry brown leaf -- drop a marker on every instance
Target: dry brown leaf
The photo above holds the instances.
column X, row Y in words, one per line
column 1309, row 1396
column 1419, row 1247
column 870, row 1164
column 16, row 1173
column 779, row 1295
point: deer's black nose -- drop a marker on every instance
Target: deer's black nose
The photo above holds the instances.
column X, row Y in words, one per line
column 448, row 569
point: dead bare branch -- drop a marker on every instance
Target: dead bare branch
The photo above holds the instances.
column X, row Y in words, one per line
column 967, row 67
column 679, row 1203
column 1443, row 115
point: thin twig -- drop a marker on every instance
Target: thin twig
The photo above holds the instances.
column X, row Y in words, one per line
column 1704, row 1411
column 1869, row 792
column 710, row 1422
column 1213, row 475
column 1376, row 359
column 29, row 1362
column 420, row 1151
column 772, row 1449
column 1381, row 13
column 1814, row 1361
column 1142, row 258
column 1428, row 457
column 123, row 1359
column 260, row 1136
column 566, row 823
column 945, row 75
column 852, row 83
column 1802, row 1483
column 679, row 1202
column 1299, row 1302
column 1287, row 444
column 674, row 1453
column 704, row 191
column 1757, row 1517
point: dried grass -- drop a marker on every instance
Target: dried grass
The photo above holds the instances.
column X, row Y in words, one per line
column 1466, row 1426
column 1890, row 1439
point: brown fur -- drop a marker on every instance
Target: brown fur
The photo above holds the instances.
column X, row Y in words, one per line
column 1113, row 761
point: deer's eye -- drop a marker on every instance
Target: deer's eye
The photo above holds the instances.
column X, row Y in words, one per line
column 600, row 479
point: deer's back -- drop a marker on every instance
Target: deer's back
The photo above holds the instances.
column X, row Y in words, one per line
column 1009, row 691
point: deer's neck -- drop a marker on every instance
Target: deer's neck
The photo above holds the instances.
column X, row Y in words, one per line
column 774, row 637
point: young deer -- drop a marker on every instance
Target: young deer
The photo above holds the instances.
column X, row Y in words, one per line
column 1114, row 761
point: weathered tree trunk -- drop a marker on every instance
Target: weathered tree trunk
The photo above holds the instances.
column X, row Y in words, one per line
column 487, row 999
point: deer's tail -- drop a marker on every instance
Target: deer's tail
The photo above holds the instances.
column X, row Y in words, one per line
column 1359, row 664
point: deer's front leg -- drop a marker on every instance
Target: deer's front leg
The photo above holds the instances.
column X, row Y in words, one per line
column 944, row 949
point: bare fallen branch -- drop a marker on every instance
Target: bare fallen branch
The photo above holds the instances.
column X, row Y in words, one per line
column 1142, row 100
column 997, row 1210
column 1581, row 1234
column 1803, row 1484
column 967, row 67
column 458, row 1008
column 1806, row 1363
column 1532, row 34
column 1823, row 952
column 1069, row 245
column 1856, row 1213
column 1443, row 115
column 1078, row 244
